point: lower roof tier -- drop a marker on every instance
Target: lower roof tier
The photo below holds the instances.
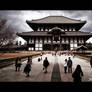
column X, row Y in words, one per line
column 32, row 33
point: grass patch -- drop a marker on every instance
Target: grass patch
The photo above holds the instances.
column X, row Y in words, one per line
column 84, row 56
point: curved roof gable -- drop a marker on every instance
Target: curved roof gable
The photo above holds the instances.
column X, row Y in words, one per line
column 56, row 19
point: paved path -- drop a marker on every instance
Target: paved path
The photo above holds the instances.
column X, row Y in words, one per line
column 56, row 72
column 55, row 68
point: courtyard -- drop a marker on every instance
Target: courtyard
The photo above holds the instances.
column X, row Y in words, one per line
column 55, row 70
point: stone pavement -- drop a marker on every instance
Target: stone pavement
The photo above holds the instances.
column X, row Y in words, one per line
column 55, row 70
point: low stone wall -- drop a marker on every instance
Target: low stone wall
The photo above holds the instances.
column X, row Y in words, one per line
column 9, row 61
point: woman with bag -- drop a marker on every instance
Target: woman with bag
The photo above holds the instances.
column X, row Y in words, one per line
column 18, row 64
column 45, row 65
column 27, row 69
column 77, row 75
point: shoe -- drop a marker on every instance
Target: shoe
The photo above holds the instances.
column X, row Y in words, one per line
column 27, row 76
column 45, row 72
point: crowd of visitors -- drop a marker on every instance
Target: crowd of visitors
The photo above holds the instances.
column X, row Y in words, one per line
column 77, row 74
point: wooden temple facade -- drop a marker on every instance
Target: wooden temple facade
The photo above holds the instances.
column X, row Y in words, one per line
column 55, row 32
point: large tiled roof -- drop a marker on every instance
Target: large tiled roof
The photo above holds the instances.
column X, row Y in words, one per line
column 56, row 19
column 78, row 33
column 34, row 34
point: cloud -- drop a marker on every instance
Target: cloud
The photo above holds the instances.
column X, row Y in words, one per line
column 17, row 18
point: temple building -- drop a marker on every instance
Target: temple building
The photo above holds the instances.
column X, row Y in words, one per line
column 55, row 32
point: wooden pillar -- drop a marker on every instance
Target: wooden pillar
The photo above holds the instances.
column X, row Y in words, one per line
column 52, row 43
column 69, row 43
column 42, row 42
column 27, row 44
column 34, row 43
column 84, row 41
column 60, row 43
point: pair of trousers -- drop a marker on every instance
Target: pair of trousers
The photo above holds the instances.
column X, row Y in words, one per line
column 65, row 69
column 69, row 69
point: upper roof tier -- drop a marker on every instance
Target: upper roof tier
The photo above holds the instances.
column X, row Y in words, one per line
column 56, row 20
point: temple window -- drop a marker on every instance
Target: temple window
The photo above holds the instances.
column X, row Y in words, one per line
column 73, row 29
column 46, row 29
column 40, row 40
column 65, row 29
column 70, row 29
column 31, row 48
column 71, row 40
column 67, row 40
column 75, row 40
column 36, row 40
column 38, row 29
column 49, row 40
column 45, row 40
column 49, row 29
column 62, row 40
column 41, row 29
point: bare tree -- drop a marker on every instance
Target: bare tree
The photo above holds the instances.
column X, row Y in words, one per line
column 2, row 23
column 6, row 34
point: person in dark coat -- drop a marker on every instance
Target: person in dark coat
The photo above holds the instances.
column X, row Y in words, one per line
column 19, row 64
column 45, row 65
column 69, row 65
column 91, row 61
column 16, row 64
column 27, row 69
column 77, row 74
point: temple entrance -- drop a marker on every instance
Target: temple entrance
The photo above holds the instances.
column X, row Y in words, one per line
column 46, row 47
column 56, row 47
column 65, row 46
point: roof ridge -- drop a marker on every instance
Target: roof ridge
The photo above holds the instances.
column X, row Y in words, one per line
column 55, row 16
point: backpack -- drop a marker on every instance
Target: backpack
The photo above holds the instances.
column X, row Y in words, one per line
column 38, row 59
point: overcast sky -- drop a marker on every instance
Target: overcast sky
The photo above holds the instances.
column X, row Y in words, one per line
column 17, row 18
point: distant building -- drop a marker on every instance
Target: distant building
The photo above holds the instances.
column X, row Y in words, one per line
column 89, row 46
column 55, row 32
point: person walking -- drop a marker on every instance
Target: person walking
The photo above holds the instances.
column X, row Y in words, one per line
column 27, row 69
column 45, row 65
column 16, row 64
column 69, row 65
column 19, row 64
column 73, row 55
column 91, row 62
column 65, row 66
column 77, row 74
column 31, row 59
